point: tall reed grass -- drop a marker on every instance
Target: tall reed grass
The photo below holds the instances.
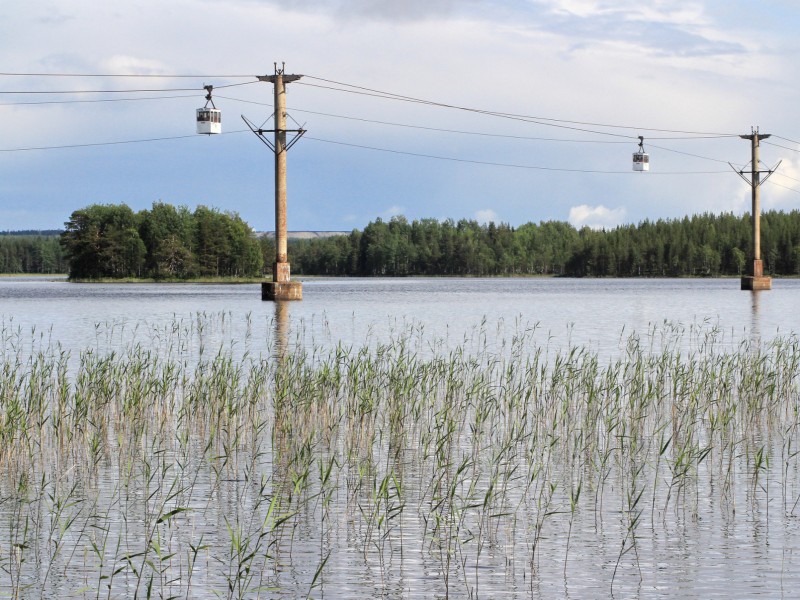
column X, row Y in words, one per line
column 165, row 468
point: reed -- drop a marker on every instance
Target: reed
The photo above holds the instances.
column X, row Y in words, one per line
column 178, row 465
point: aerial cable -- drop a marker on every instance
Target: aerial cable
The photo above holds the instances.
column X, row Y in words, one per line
column 509, row 165
column 436, row 129
column 124, row 75
column 779, row 146
column 391, row 95
column 785, row 139
column 56, row 92
column 115, row 143
column 466, row 109
column 783, row 186
column 527, row 119
column 363, row 147
column 463, row 132
column 98, row 91
column 96, row 100
column 688, row 154
column 788, row 177
column 361, row 90
column 230, row 85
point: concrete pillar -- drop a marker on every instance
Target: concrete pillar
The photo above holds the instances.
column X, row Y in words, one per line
column 756, row 280
column 281, row 271
column 756, row 196
column 281, row 287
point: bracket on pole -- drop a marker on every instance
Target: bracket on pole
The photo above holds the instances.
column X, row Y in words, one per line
column 741, row 173
column 260, row 133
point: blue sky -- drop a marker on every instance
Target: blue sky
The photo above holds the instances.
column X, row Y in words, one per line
column 697, row 66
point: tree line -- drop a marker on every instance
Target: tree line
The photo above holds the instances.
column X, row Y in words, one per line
column 108, row 240
column 168, row 242
column 702, row 245
column 31, row 252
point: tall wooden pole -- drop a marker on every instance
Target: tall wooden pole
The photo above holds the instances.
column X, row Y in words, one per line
column 756, row 279
column 281, row 287
column 755, row 178
column 281, row 269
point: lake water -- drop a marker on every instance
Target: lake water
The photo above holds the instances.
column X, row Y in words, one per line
column 592, row 312
column 419, row 515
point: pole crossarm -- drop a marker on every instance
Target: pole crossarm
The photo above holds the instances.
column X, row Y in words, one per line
column 299, row 133
column 741, row 173
column 760, row 136
column 283, row 79
column 260, row 133
column 271, row 78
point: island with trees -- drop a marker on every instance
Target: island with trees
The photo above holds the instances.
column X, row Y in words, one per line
column 165, row 242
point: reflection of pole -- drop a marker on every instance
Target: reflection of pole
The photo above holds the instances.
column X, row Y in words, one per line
column 755, row 321
column 281, row 330
column 282, row 428
column 756, row 279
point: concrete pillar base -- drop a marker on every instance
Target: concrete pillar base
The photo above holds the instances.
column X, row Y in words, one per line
column 287, row 290
column 281, row 272
column 753, row 283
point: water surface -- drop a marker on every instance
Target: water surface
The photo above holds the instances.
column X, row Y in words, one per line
column 385, row 525
column 592, row 312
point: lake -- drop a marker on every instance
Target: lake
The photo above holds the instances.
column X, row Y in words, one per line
column 400, row 438
column 590, row 312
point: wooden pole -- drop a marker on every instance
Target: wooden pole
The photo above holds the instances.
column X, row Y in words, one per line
column 281, row 270
column 281, row 287
column 756, row 279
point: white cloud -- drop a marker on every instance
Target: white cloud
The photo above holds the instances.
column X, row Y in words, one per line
column 131, row 64
column 393, row 211
column 486, row 215
column 655, row 11
column 596, row 217
column 407, row 10
column 776, row 195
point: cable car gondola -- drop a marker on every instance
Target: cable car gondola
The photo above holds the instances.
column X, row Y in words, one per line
column 209, row 120
column 641, row 160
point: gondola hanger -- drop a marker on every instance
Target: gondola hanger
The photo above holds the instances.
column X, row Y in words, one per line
column 641, row 160
column 209, row 120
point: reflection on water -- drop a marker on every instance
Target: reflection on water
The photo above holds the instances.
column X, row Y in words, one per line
column 585, row 312
column 755, row 320
column 464, row 438
column 282, row 320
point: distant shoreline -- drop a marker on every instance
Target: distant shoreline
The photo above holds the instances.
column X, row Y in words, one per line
column 63, row 277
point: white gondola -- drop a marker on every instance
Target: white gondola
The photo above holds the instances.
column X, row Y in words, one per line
column 641, row 160
column 209, row 119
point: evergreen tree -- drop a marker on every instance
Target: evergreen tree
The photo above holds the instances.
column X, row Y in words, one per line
column 112, row 241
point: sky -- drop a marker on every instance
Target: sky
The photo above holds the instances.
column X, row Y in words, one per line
column 531, row 109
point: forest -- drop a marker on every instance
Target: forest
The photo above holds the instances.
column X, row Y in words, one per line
column 165, row 242
column 704, row 245
column 31, row 252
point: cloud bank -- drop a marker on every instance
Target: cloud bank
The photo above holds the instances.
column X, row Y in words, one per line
column 596, row 217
